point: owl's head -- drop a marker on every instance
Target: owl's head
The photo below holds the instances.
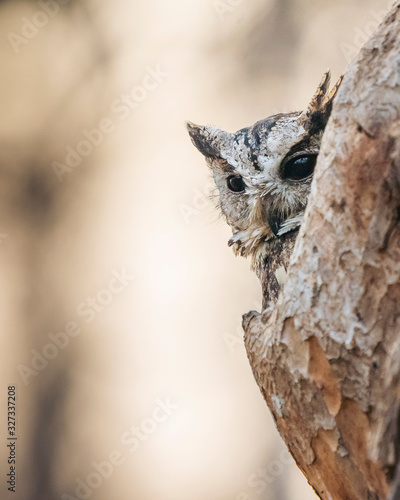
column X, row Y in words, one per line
column 263, row 173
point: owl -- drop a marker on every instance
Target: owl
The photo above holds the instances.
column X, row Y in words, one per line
column 263, row 176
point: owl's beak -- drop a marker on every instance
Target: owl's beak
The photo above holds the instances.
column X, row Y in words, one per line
column 274, row 221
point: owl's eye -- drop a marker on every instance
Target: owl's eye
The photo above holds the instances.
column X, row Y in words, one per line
column 236, row 183
column 299, row 168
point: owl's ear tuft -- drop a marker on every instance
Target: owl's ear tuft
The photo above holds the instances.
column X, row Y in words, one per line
column 319, row 110
column 208, row 140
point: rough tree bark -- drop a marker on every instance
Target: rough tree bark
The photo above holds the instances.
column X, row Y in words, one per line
column 327, row 356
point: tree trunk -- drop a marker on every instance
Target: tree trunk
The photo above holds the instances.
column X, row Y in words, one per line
column 326, row 356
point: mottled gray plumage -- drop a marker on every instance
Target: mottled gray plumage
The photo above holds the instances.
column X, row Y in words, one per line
column 263, row 175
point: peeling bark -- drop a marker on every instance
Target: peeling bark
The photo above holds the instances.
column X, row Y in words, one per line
column 326, row 356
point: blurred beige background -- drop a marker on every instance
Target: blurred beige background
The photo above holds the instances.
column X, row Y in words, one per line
column 121, row 302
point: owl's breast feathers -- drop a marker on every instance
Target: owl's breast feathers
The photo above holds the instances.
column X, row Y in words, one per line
column 272, row 263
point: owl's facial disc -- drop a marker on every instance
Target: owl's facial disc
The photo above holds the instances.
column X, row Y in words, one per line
column 263, row 173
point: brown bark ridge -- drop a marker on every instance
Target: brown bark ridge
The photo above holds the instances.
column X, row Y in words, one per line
column 327, row 356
